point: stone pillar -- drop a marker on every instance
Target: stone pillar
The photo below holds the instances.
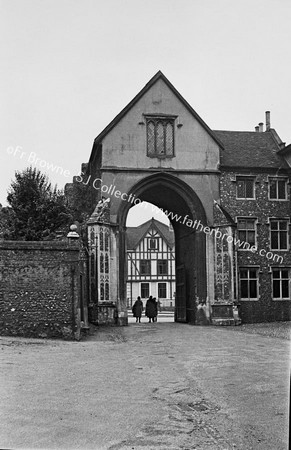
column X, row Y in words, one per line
column 122, row 318
column 83, row 289
column 103, row 273
column 224, row 277
column 210, row 274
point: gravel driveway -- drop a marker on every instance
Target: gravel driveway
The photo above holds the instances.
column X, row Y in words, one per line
column 148, row 386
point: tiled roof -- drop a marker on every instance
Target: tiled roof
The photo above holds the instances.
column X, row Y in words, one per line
column 250, row 149
column 135, row 234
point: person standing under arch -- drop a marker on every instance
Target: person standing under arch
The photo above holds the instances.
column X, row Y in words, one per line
column 151, row 309
column 137, row 309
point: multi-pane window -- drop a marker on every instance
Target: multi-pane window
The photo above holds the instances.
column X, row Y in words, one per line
column 153, row 244
column 245, row 187
column 277, row 189
column 162, row 266
column 160, row 137
column 145, row 267
column 281, row 283
column 279, row 234
column 247, row 231
column 162, row 290
column 144, row 290
column 248, row 283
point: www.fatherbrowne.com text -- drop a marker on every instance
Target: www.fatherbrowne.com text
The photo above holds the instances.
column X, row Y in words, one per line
column 184, row 220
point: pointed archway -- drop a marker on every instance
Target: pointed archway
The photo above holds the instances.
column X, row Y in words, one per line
column 183, row 208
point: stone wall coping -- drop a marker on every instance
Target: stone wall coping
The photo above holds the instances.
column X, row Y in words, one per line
column 40, row 245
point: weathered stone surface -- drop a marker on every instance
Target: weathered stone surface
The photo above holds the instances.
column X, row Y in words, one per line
column 39, row 289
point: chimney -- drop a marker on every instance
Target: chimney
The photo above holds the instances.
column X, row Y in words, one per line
column 268, row 121
column 261, row 127
column 257, row 128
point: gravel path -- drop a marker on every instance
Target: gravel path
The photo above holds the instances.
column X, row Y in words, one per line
column 161, row 386
column 280, row 330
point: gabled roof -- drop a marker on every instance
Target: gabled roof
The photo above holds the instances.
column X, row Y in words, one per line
column 285, row 150
column 159, row 75
column 136, row 234
column 250, row 149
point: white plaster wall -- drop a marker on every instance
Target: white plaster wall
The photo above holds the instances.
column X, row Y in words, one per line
column 125, row 144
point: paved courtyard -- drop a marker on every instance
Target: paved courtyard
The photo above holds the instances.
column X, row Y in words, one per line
column 147, row 386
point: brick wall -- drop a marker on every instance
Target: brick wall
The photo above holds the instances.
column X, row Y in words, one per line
column 265, row 308
column 39, row 289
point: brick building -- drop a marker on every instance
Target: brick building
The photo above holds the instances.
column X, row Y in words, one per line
column 151, row 263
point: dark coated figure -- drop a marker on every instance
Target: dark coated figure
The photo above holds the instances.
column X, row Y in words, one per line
column 151, row 310
column 137, row 309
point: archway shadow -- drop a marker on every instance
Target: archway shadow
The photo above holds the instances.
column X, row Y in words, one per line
column 183, row 208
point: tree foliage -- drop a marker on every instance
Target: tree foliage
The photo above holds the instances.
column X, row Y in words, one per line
column 37, row 209
column 6, row 218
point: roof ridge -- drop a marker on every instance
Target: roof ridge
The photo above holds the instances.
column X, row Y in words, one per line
column 143, row 229
column 150, row 220
column 135, row 99
column 239, row 131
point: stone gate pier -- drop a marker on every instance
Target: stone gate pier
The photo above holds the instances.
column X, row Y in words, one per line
column 103, row 241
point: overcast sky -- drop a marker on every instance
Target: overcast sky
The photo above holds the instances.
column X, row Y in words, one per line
column 68, row 67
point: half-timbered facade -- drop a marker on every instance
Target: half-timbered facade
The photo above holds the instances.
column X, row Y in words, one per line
column 151, row 263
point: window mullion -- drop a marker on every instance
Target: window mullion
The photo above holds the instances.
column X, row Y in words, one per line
column 155, row 122
column 165, row 137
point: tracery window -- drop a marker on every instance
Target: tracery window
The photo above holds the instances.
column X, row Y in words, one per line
column 160, row 137
column 104, row 262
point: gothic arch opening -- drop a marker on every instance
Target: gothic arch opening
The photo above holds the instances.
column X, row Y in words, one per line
column 150, row 255
column 183, row 208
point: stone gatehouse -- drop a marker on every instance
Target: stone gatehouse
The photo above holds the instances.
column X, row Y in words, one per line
column 228, row 198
